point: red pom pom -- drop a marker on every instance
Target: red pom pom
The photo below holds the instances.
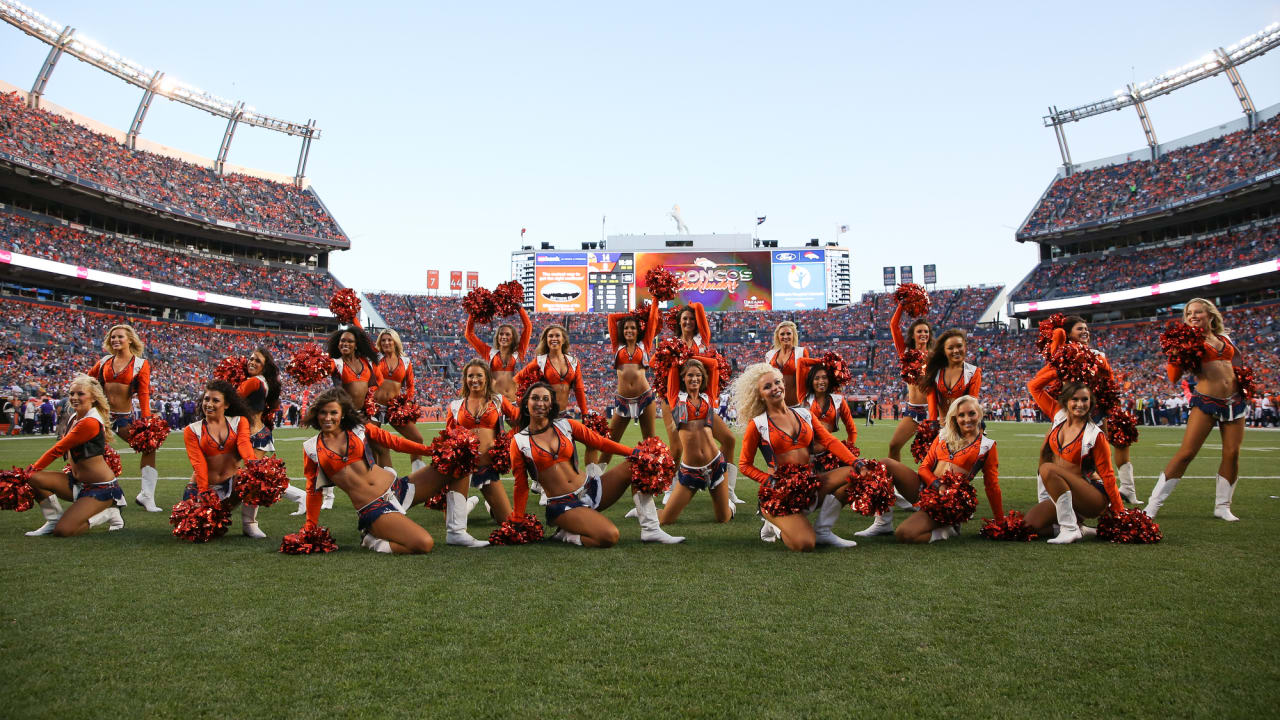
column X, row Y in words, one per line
column 913, row 299
column 1045, row 339
column 147, row 434
column 671, row 318
column 261, row 482
column 517, row 530
column 454, row 452
column 641, row 317
column 201, row 518
column 402, row 410
column 345, row 305
column 438, row 501
column 723, row 367
column 652, row 467
column 662, row 284
column 671, row 352
column 926, row 433
column 1122, row 427
column 526, row 379
column 1076, row 363
column 1183, row 346
column 837, row 370
column 307, row 541
column 370, row 408
column 827, row 462
column 309, row 365
column 232, row 369
column 500, row 453
column 113, row 460
column 792, row 489
column 16, row 492
column 1129, row 527
column 1011, row 527
column 596, row 423
column 911, row 364
column 1106, row 392
column 1247, row 379
column 508, row 298
column 480, row 304
column 870, row 488
column 951, row 502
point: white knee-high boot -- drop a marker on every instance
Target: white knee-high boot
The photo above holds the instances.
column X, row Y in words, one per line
column 249, row 521
column 455, row 521
column 147, row 498
column 942, row 534
column 1161, row 492
column 1124, row 474
column 111, row 517
column 650, row 529
column 1222, row 503
column 1041, row 493
column 883, row 525
column 1068, row 528
column 327, row 503
column 731, row 478
column 828, row 513
column 52, row 511
column 296, row 495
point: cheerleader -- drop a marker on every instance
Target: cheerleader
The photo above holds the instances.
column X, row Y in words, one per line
column 395, row 378
column 785, row 357
column 217, row 445
column 827, row 406
column 946, row 374
column 353, row 367
column 480, row 409
column 557, row 367
column 545, row 448
column 1216, row 399
column 91, row 487
column 917, row 409
column 261, row 394
column 961, row 446
column 784, row 434
column 1073, row 452
column 123, row 374
column 340, row 455
column 702, row 465
column 633, row 400
column 505, row 354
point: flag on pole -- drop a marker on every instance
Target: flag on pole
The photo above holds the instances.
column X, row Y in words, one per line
column 844, row 228
column 760, row 220
column 523, row 231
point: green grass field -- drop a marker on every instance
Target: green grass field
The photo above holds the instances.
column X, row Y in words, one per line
column 137, row 623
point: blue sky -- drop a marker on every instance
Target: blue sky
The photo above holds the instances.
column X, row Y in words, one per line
column 447, row 128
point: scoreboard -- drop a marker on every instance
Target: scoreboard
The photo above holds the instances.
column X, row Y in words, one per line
column 610, row 277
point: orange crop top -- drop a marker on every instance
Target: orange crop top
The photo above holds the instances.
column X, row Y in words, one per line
column 319, row 462
column 701, row 342
column 553, row 377
column 639, row 356
column 837, row 410
column 496, row 363
column 969, row 383
column 403, row 374
column 201, row 445
column 795, row 365
column 980, row 455
column 86, row 438
column 764, row 436
column 1228, row 353
column 530, row 458
column 136, row 374
column 490, row 416
column 678, row 400
column 343, row 374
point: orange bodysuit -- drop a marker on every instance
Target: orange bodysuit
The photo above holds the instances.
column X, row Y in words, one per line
column 573, row 377
column 403, row 374
column 490, row 417
column 85, row 438
column 837, row 410
column 764, row 436
column 1089, row 450
column 639, row 356
column 201, row 445
column 941, row 396
column 980, row 455
column 136, row 374
column 319, row 463
column 529, row 458
column 496, row 363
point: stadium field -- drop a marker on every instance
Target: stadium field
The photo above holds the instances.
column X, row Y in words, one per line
column 141, row 624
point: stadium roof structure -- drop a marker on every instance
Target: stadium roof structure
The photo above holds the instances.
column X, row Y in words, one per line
column 1220, row 61
column 66, row 39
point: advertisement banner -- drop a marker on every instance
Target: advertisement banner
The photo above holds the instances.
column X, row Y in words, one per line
column 905, row 274
column 473, row 280
column 718, row 280
column 799, row 279
column 890, row 276
column 930, row 274
column 455, row 281
column 610, row 277
column 433, row 279
column 560, row 282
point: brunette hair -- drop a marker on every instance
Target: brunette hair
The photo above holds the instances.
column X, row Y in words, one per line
column 351, row 415
column 522, row 421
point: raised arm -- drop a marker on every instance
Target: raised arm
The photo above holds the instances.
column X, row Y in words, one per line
column 704, row 327
column 747, row 458
column 83, row 432
column 712, row 364
column 991, row 481
column 526, row 332
column 615, row 330
column 481, row 347
column 895, row 329
column 196, row 456
column 595, row 441
column 651, row 326
column 1039, row 389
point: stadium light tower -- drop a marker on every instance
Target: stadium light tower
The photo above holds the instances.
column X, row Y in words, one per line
column 1221, row 61
column 63, row 39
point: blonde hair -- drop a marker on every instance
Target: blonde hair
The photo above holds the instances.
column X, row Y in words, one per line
column 542, row 340
column 1216, row 324
column 706, row 376
column 950, row 430
column 395, row 340
column 746, row 394
column 135, row 343
column 488, row 378
column 99, row 398
column 794, row 331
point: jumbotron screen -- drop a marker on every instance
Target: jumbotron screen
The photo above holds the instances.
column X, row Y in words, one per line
column 724, row 280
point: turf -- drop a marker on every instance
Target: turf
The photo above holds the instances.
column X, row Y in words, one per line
column 137, row 622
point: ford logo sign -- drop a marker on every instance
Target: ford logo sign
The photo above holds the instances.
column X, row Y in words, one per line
column 784, row 257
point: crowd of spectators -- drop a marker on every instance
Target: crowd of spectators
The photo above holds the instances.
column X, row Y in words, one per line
column 55, row 141
column 1134, row 267
column 1096, row 195
column 133, row 257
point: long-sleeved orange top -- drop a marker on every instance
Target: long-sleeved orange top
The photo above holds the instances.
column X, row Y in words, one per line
column 490, row 416
column 764, row 436
column 895, row 329
column 702, row 338
column 86, row 437
column 136, row 374
column 530, row 458
column 678, row 400
column 1228, row 353
column 403, row 374
column 496, row 363
column 319, row 463
column 640, row 355
column 343, row 374
column 1089, row 450
column 969, row 383
column 979, row 455
column 837, row 410
column 201, row 445
column 794, row 365
column 572, row 377
column 254, row 390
